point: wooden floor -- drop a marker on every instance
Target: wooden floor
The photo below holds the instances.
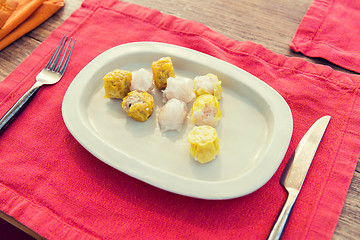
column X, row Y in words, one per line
column 271, row 23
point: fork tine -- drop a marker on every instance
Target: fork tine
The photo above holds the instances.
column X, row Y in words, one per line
column 52, row 67
column 56, row 51
column 62, row 59
column 68, row 57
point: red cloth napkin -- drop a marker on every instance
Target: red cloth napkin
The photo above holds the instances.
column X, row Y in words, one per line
column 50, row 183
column 331, row 30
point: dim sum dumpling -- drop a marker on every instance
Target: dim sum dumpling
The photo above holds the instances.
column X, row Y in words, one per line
column 162, row 70
column 206, row 110
column 142, row 80
column 204, row 143
column 208, row 84
column 179, row 88
column 172, row 115
column 138, row 105
column 117, row 83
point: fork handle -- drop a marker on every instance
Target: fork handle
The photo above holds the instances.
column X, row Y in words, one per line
column 15, row 110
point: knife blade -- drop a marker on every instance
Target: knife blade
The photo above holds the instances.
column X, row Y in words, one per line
column 296, row 170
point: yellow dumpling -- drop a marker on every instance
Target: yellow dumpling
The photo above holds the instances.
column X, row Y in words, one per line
column 162, row 70
column 204, row 143
column 206, row 110
column 138, row 105
column 208, row 84
column 117, row 83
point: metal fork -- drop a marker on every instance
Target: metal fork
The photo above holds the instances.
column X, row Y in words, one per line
column 51, row 74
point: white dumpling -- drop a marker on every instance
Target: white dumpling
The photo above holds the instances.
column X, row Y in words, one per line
column 179, row 88
column 172, row 115
column 142, row 80
column 208, row 84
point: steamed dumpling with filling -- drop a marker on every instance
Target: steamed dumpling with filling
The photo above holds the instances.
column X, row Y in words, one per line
column 208, row 84
column 142, row 80
column 162, row 69
column 117, row 83
column 138, row 105
column 172, row 115
column 204, row 143
column 206, row 110
column 179, row 88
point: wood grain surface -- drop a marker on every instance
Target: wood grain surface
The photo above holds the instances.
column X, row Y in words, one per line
column 271, row 23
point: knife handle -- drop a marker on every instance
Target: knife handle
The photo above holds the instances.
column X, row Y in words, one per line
column 281, row 221
column 15, row 110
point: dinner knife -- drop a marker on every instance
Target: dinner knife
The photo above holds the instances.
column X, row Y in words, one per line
column 295, row 172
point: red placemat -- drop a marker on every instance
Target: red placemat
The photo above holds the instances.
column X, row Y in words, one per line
column 50, row 183
column 331, row 30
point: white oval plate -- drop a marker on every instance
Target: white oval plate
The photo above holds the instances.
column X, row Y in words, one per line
column 254, row 131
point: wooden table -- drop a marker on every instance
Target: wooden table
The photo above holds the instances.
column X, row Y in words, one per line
column 271, row 23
